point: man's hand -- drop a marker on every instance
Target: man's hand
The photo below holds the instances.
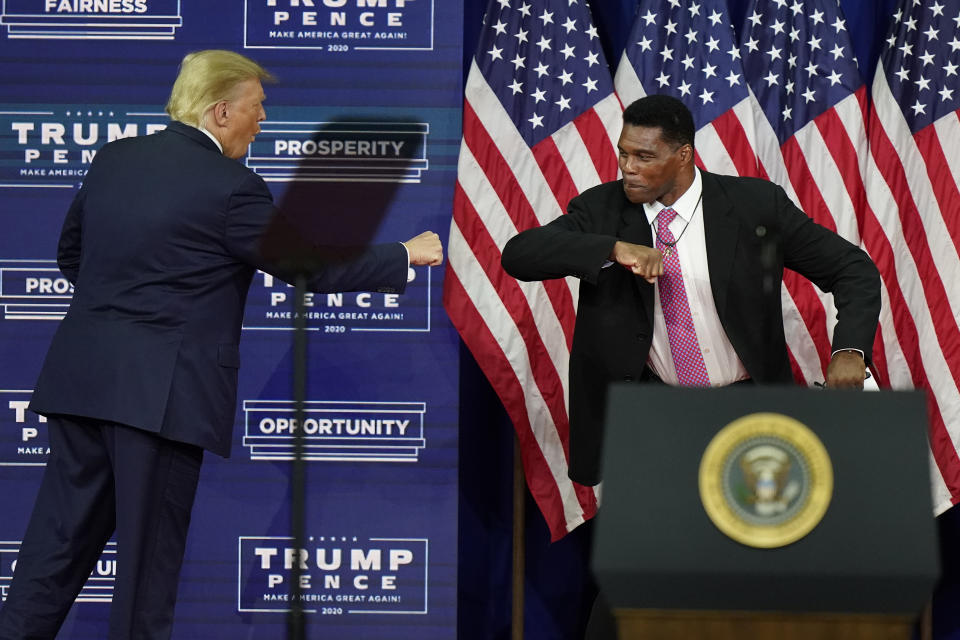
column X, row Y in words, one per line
column 425, row 249
column 641, row 260
column 846, row 370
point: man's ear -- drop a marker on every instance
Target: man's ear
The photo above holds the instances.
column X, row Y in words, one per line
column 221, row 113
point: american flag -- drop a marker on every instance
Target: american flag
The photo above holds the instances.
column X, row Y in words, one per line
column 912, row 221
column 811, row 139
column 688, row 50
column 540, row 125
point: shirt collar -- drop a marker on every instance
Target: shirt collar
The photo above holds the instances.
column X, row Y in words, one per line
column 210, row 135
column 686, row 204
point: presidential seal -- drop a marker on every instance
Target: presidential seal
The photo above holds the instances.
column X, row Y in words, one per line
column 766, row 480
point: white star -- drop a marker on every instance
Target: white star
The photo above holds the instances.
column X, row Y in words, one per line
column 814, row 43
column 781, row 3
column 911, row 24
column 937, row 9
column 946, row 94
column 667, row 53
column 709, row 71
column 751, row 44
column 592, row 59
column 756, row 18
column 495, row 53
column 645, row 43
column 541, row 70
column 811, row 68
column 903, row 74
column 570, row 25
column 539, row 95
column 516, row 87
column 797, row 8
column 817, row 17
column 794, row 34
column 839, row 25
column 715, row 17
column 674, row 3
column 834, row 78
column 544, row 43
column 955, row 44
column 734, row 53
column 650, row 17
column 687, row 62
column 521, row 36
column 774, row 54
column 951, row 69
column 565, row 78
column 792, row 61
column 771, row 79
column 525, row 10
column 923, row 84
column 706, row 96
column 907, row 49
column 591, row 85
column 663, row 79
column 733, row 78
column 684, row 88
column 927, row 58
column 518, row 62
column 777, row 27
column 500, row 27
column 567, row 52
column 837, row 52
column 592, row 32
column 713, row 44
column 563, row 103
column 671, row 27
column 789, row 88
column 808, row 95
column 546, row 17
column 786, row 113
column 536, row 121
column 504, row 4
column 931, row 33
column 919, row 108
column 691, row 36
column 694, row 10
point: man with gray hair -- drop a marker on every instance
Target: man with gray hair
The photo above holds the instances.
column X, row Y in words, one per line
column 161, row 243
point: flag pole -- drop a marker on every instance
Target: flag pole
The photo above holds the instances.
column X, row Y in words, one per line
column 519, row 547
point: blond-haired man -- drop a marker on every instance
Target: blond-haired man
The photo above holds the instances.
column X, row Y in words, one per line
column 162, row 242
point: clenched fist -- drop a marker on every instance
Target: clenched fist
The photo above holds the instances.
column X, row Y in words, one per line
column 425, row 249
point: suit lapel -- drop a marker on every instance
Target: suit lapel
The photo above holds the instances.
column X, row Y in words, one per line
column 720, row 232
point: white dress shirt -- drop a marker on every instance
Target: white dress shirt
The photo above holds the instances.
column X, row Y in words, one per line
column 723, row 365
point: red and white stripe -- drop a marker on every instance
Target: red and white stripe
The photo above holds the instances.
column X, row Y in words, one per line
column 520, row 333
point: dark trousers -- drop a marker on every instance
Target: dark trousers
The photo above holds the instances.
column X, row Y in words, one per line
column 103, row 477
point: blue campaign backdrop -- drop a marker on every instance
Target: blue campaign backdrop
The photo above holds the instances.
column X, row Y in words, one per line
column 558, row 587
column 360, row 145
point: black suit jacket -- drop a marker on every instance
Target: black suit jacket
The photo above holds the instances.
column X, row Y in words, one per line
column 162, row 242
column 752, row 231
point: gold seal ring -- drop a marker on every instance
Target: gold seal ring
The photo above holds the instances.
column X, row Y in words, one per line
column 766, row 480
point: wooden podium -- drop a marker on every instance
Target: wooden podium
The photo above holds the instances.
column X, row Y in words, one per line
column 865, row 570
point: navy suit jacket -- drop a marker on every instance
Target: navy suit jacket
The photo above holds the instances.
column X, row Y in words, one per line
column 752, row 232
column 161, row 243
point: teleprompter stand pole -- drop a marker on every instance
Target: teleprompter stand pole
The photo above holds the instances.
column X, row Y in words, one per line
column 296, row 622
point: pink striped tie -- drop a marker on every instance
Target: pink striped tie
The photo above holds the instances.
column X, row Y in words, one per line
column 684, row 346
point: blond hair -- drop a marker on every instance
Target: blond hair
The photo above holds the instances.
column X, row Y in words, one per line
column 206, row 78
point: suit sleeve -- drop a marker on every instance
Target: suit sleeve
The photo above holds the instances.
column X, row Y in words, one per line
column 69, row 245
column 567, row 246
column 258, row 234
column 837, row 267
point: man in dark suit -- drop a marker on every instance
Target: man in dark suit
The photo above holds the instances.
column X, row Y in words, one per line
column 161, row 242
column 718, row 263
